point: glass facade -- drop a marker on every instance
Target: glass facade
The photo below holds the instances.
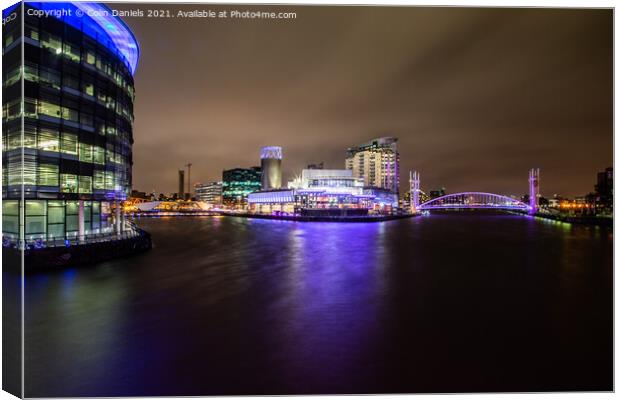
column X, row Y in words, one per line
column 67, row 120
column 210, row 193
column 238, row 183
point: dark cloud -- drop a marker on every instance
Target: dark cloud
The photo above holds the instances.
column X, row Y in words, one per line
column 476, row 96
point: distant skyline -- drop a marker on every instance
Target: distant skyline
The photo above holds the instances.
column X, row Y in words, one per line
column 475, row 96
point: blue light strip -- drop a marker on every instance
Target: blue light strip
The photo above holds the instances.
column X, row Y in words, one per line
column 96, row 20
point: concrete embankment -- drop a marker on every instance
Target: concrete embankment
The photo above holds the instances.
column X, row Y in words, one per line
column 299, row 218
column 77, row 255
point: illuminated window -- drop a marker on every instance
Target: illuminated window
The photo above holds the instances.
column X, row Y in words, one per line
column 30, row 170
column 30, row 72
column 30, row 108
column 51, row 42
column 10, row 38
column 47, row 175
column 10, row 216
column 48, row 140
column 86, row 152
column 35, row 217
column 14, row 140
column 12, row 77
column 69, row 143
column 99, row 179
column 69, row 114
column 31, row 32
column 89, row 89
column 55, row 219
column 73, row 52
column 71, row 216
column 109, row 180
column 68, row 183
column 90, row 57
column 98, row 155
column 85, row 184
column 50, row 109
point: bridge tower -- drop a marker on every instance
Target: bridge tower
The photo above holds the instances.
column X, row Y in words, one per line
column 534, row 189
column 414, row 190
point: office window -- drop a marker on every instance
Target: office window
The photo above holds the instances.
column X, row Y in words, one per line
column 31, row 32
column 68, row 183
column 12, row 109
column 90, row 57
column 51, row 42
column 14, row 170
column 12, row 76
column 48, row 140
column 69, row 143
column 36, row 211
column 99, row 179
column 49, row 77
column 69, row 114
column 98, row 155
column 89, row 89
column 72, row 52
column 30, row 136
column 55, row 219
column 14, row 140
column 87, row 216
column 86, row 152
column 85, row 184
column 109, row 180
column 31, row 72
column 47, row 108
column 10, row 38
column 71, row 216
column 71, row 81
column 96, row 215
column 30, row 170
column 47, row 175
column 10, row 216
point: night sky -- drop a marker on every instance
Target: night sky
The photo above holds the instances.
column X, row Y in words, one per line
column 476, row 96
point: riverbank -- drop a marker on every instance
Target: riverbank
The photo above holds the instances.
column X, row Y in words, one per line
column 582, row 220
column 585, row 220
column 299, row 218
column 78, row 255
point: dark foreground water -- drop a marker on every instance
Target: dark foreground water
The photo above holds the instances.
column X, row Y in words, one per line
column 444, row 303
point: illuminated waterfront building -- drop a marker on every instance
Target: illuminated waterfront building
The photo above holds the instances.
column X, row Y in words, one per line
column 237, row 183
column 210, row 193
column 317, row 190
column 376, row 162
column 72, row 161
column 271, row 166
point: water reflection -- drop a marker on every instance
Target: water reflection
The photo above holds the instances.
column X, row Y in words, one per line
column 236, row 306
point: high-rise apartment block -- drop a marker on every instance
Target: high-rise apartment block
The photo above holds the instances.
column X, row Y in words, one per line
column 376, row 162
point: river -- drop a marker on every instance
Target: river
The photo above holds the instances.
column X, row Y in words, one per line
column 451, row 302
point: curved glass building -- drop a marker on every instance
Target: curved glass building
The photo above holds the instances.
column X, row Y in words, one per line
column 67, row 120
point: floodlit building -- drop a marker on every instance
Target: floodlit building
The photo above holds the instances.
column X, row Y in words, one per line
column 271, row 167
column 210, row 193
column 238, row 183
column 324, row 192
column 376, row 162
column 72, row 161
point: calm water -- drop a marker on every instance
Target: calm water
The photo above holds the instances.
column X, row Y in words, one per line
column 451, row 302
